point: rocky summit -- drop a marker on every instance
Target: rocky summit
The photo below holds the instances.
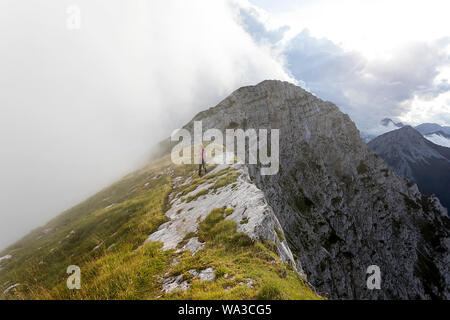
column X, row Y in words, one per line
column 341, row 207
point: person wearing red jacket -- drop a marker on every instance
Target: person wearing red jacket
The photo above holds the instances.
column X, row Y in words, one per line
column 202, row 164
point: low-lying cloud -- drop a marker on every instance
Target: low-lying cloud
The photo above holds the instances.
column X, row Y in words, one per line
column 81, row 108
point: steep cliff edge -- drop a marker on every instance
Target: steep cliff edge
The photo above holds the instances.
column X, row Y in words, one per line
column 341, row 207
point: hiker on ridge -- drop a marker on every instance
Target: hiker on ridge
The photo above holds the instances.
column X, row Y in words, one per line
column 202, row 164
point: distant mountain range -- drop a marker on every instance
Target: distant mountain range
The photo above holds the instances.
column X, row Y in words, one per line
column 417, row 159
column 434, row 132
column 430, row 128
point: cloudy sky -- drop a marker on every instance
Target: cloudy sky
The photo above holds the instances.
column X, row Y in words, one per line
column 82, row 104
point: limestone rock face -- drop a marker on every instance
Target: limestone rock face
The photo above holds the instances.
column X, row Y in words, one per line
column 251, row 212
column 341, row 208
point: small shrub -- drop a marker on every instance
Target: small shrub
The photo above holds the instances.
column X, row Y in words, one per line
column 269, row 291
column 241, row 239
column 204, row 230
column 223, row 230
column 221, row 271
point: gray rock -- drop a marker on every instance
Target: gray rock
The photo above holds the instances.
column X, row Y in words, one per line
column 6, row 257
column 340, row 207
column 250, row 282
column 207, row 274
column 172, row 284
column 246, row 199
column 10, row 288
column 193, row 272
column 193, row 245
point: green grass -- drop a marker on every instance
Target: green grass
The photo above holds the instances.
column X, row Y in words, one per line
column 40, row 259
column 279, row 234
column 196, row 195
column 233, row 254
column 108, row 244
column 223, row 181
column 244, row 220
column 269, row 291
column 228, row 211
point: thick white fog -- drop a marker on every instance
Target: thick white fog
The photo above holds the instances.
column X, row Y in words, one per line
column 82, row 107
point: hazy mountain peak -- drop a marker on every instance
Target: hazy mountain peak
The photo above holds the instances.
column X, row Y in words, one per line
column 406, row 133
column 429, row 128
column 406, row 143
column 418, row 159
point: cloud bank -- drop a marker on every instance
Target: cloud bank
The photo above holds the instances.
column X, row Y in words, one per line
column 367, row 89
column 81, row 108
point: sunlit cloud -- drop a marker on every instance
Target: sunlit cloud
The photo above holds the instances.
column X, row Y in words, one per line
column 372, row 59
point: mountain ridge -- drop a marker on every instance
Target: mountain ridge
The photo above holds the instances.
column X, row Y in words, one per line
column 334, row 204
column 322, row 158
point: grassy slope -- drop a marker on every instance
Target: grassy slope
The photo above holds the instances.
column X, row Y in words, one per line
column 107, row 243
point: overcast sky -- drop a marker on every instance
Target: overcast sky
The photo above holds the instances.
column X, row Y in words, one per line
column 80, row 107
